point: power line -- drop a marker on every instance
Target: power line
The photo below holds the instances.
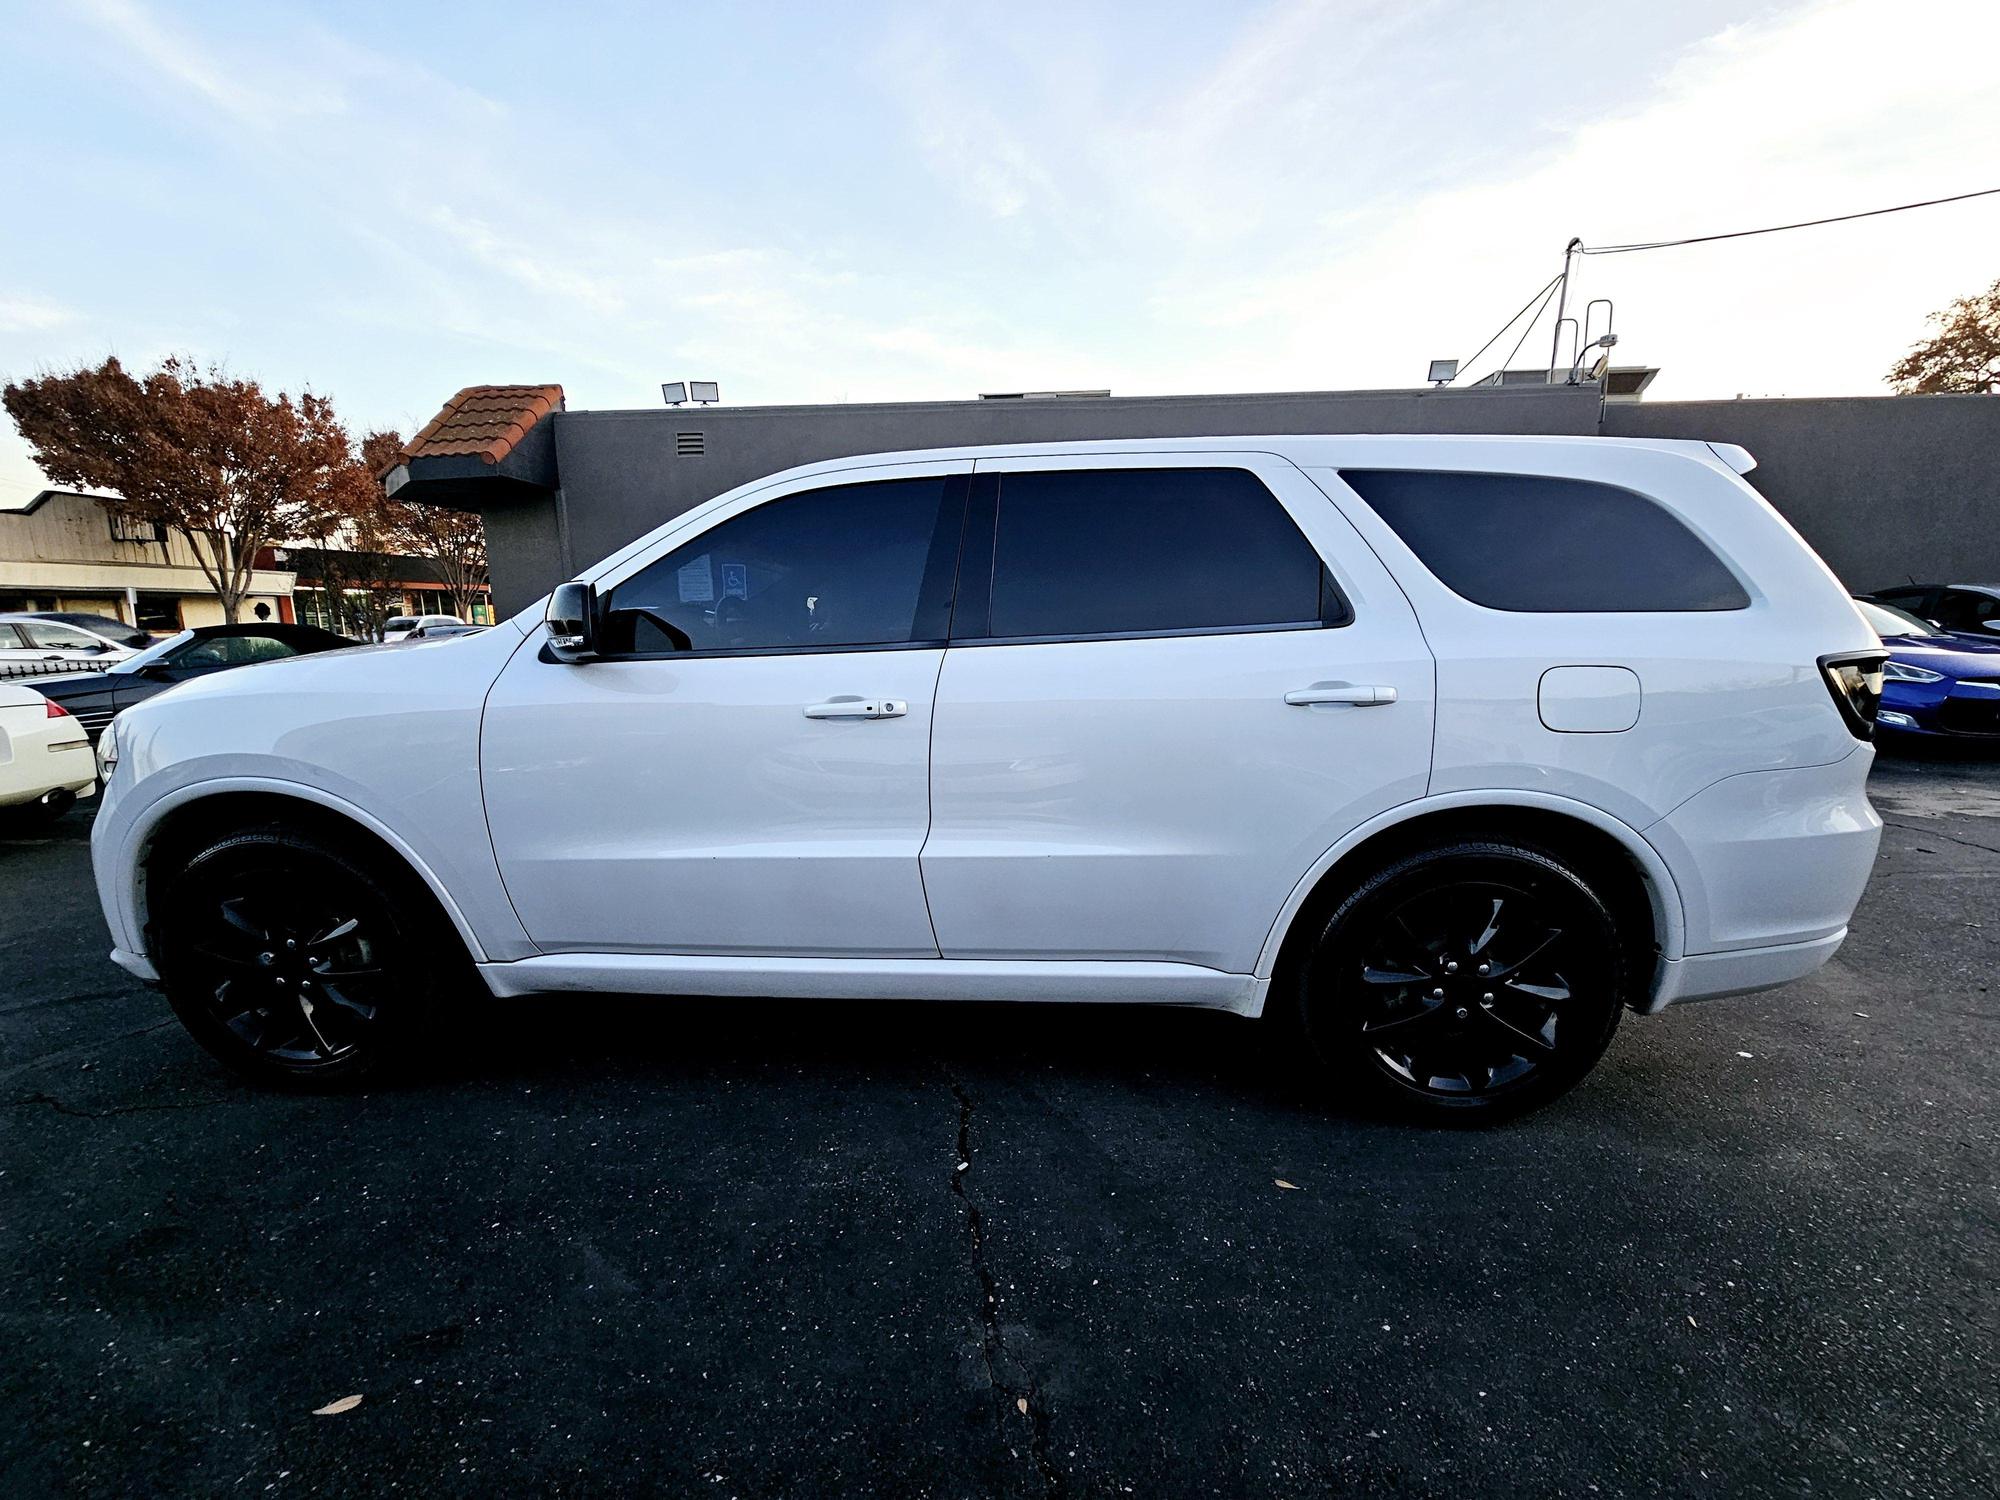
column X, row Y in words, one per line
column 1738, row 234
column 1529, row 327
column 1542, row 293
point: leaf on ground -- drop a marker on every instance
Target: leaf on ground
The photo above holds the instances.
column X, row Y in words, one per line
column 1290, row 1187
column 335, row 1408
column 1021, row 1405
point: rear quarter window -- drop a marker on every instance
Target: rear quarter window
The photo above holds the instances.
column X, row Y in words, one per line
column 1533, row 544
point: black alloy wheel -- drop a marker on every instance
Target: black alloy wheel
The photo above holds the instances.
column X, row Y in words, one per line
column 1467, row 981
column 295, row 962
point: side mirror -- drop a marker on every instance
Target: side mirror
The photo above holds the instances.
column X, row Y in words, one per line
column 572, row 621
column 1993, row 625
column 98, row 648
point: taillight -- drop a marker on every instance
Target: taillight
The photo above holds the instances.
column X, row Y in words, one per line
column 57, row 711
column 1855, row 680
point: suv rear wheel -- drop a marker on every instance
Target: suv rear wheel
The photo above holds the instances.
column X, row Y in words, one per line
column 297, row 961
column 1463, row 982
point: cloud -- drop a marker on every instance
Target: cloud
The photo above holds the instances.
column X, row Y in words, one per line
column 31, row 315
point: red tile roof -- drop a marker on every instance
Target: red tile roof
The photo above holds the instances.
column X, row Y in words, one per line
column 485, row 421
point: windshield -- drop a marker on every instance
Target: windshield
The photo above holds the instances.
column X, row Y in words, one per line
column 152, row 653
column 400, row 622
column 1888, row 620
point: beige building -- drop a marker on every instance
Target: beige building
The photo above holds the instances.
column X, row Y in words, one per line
column 64, row 550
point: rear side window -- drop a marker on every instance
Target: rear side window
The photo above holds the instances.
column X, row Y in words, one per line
column 1149, row 551
column 1529, row 543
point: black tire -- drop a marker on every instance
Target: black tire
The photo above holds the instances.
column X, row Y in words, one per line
column 1392, row 1003
column 300, row 962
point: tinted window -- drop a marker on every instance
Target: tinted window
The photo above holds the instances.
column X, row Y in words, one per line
column 1960, row 609
column 233, row 651
column 1103, row 552
column 1525, row 542
column 851, row 565
column 1904, row 598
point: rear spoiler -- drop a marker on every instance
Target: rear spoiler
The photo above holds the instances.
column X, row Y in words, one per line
column 1735, row 455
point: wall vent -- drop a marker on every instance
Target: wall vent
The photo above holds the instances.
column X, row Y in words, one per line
column 689, row 445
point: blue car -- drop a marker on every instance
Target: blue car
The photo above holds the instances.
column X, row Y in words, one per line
column 1937, row 684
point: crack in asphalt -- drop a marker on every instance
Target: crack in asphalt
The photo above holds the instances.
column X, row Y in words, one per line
column 1948, row 837
column 50, row 1001
column 104, row 1114
column 82, row 1049
column 1022, row 1396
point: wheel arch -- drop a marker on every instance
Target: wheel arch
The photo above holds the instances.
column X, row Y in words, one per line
column 1637, row 883
column 207, row 810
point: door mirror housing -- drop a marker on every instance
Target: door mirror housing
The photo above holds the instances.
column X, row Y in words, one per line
column 1992, row 625
column 572, row 620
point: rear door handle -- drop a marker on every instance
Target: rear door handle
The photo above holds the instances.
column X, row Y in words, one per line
column 849, row 706
column 1340, row 692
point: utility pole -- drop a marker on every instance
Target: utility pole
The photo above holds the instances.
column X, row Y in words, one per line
column 1562, row 299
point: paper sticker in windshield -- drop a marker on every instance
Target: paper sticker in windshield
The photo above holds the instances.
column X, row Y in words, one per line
column 736, row 580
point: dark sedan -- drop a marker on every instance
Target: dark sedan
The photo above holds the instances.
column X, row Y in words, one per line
column 95, row 696
column 1936, row 683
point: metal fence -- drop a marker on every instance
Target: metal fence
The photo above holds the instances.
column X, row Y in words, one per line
column 13, row 669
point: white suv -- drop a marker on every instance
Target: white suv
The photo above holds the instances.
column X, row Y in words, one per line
column 1445, row 749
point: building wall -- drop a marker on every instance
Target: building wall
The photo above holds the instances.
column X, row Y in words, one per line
column 62, row 555
column 1886, row 488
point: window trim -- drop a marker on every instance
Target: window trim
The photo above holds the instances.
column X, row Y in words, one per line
column 156, row 533
column 982, row 536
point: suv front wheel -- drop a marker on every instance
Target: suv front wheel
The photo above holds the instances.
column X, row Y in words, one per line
column 295, row 959
column 1465, row 981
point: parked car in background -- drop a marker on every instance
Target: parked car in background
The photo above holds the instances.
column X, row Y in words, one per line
column 113, row 630
column 32, row 645
column 437, row 631
column 45, row 759
column 1360, row 731
column 96, row 696
column 1962, row 608
column 399, row 627
column 1937, row 682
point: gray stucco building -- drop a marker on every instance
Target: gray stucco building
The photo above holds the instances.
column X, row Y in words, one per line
column 1886, row 488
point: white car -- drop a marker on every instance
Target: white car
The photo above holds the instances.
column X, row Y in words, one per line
column 1447, row 749
column 31, row 643
column 45, row 759
column 402, row 627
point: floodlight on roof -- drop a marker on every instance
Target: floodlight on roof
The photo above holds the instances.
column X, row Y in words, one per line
column 1443, row 372
column 675, row 392
column 707, row 392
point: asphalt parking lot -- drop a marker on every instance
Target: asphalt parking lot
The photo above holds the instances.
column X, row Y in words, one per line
column 752, row 1250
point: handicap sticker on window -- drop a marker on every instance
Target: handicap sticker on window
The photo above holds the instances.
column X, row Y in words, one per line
column 697, row 583
column 736, row 580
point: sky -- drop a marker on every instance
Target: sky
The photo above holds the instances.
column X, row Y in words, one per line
column 385, row 202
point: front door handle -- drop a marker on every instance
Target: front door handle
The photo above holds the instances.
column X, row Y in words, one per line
column 1340, row 692
column 848, row 706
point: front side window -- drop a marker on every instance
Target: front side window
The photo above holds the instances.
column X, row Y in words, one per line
column 852, row 565
column 1527, row 542
column 1082, row 552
